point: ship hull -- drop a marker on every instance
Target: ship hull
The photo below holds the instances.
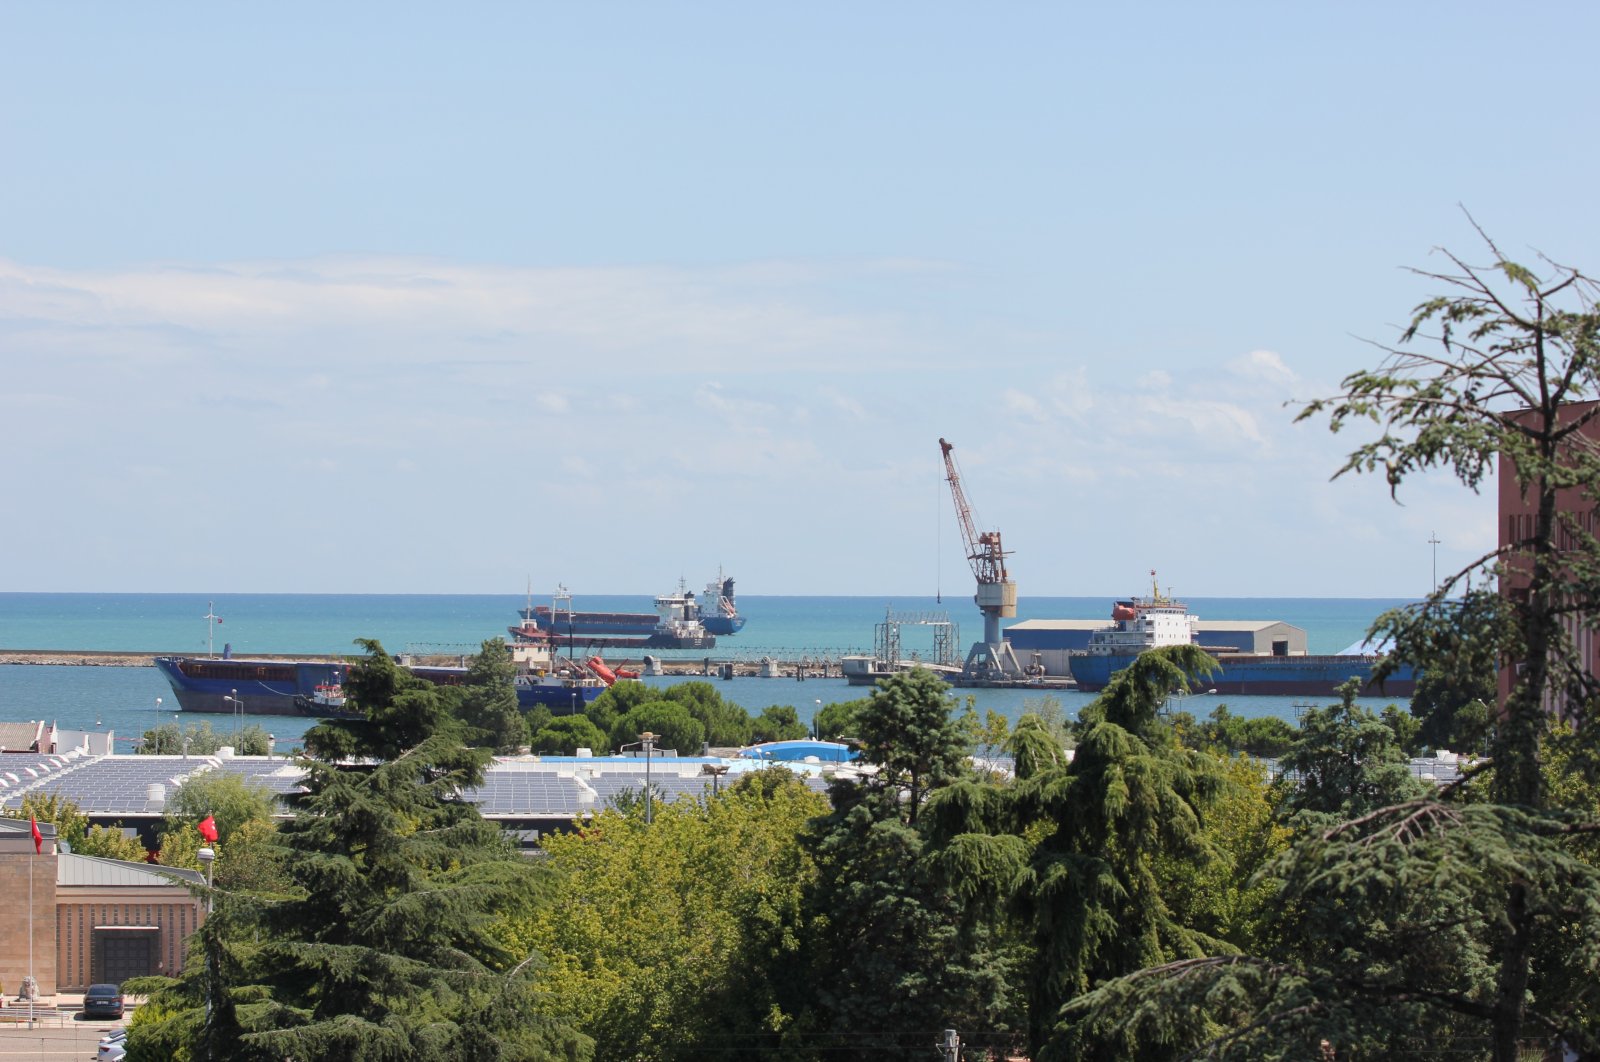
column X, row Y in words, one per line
column 288, row 687
column 581, row 625
column 1266, row 676
column 722, row 625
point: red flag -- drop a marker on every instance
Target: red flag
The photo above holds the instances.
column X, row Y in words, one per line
column 38, row 838
column 208, row 829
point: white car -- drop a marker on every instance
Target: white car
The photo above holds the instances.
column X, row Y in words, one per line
column 113, row 1046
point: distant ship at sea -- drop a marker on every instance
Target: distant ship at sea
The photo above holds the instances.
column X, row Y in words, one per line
column 678, row 622
column 278, row 686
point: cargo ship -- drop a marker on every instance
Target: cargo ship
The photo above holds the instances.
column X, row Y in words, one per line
column 718, row 610
column 1142, row 623
column 316, row 687
column 679, row 622
column 230, row 685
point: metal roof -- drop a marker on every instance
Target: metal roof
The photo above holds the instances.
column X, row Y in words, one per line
column 72, row 869
column 112, row 787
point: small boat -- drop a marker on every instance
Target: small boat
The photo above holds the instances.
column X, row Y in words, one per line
column 325, row 701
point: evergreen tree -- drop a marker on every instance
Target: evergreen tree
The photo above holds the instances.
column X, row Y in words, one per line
column 1346, row 762
column 488, row 700
column 1421, row 921
column 906, row 729
column 383, row 950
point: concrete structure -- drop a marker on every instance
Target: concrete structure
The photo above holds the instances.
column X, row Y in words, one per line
column 91, row 920
column 28, row 882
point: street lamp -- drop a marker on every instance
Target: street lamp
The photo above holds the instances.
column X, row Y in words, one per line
column 648, row 740
column 814, row 717
column 238, row 712
column 207, row 856
column 716, row 771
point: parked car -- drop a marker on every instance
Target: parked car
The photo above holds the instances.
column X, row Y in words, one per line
column 113, row 1046
column 103, row 1001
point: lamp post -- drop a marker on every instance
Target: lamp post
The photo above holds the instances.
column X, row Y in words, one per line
column 814, row 717
column 238, row 713
column 716, row 771
column 207, row 857
column 648, row 740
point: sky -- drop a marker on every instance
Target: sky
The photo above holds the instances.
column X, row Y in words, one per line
column 425, row 298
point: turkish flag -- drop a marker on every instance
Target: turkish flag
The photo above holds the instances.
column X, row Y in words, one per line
column 208, row 829
column 38, row 838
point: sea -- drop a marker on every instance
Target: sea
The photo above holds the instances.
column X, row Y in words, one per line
column 129, row 700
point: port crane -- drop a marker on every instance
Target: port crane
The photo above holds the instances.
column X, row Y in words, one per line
column 991, row 659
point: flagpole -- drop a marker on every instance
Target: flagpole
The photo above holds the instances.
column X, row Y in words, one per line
column 35, row 992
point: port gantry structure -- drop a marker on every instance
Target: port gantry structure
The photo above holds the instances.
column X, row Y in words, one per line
column 991, row 660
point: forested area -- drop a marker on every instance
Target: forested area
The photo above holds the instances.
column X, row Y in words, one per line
column 1138, row 884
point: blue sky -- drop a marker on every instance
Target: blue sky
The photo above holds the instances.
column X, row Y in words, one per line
column 417, row 298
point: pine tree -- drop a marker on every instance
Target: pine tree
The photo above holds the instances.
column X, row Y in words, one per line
column 384, row 950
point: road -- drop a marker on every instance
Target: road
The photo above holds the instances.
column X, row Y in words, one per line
column 74, row 1039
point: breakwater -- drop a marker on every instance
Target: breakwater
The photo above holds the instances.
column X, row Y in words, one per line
column 799, row 666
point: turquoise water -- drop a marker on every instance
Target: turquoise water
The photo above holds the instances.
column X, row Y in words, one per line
column 124, row 698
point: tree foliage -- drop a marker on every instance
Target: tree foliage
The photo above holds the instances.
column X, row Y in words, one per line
column 1417, row 923
column 487, row 700
column 670, row 940
column 906, row 729
column 383, row 947
column 186, row 739
column 74, row 828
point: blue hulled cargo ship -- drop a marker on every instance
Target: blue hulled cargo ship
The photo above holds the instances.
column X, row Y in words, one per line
column 315, row 687
column 1142, row 623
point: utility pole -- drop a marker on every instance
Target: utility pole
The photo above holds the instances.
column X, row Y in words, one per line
column 1433, row 540
column 950, row 1046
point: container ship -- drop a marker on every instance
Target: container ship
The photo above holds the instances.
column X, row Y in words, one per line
column 1138, row 624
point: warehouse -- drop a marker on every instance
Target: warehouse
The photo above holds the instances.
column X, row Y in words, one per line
column 1049, row 642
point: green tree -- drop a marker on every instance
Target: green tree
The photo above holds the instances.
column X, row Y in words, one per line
column 566, row 734
column 487, row 700
column 247, row 856
column 181, row 739
column 1458, row 642
column 726, row 724
column 1346, row 762
column 671, row 941
column 671, row 722
column 778, row 722
column 73, row 828
column 1130, row 804
column 906, row 729
column 384, row 948
column 836, row 721
column 1428, row 915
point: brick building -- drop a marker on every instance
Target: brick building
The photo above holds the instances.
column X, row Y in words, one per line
column 1517, row 522
column 91, row 920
